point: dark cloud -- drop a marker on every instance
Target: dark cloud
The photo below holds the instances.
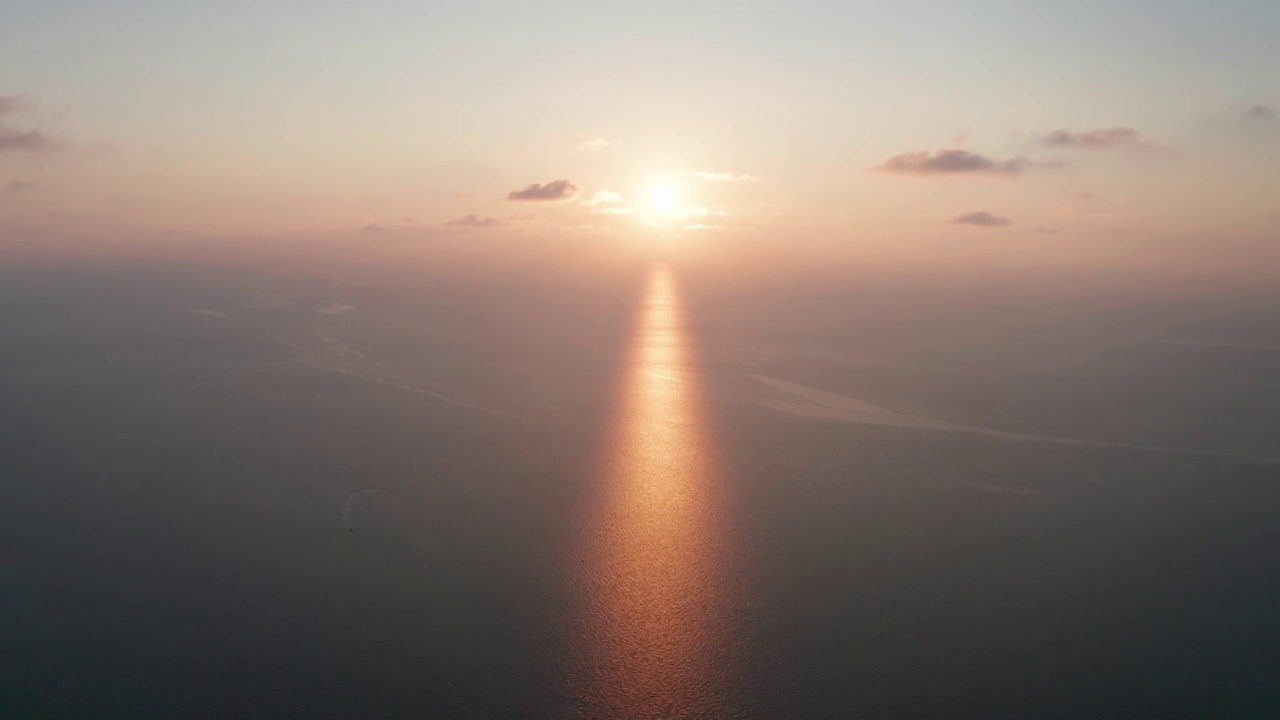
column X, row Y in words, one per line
column 20, row 187
column 555, row 190
column 474, row 221
column 983, row 219
column 1117, row 137
column 945, row 162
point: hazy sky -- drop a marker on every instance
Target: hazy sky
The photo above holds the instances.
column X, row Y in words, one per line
column 858, row 120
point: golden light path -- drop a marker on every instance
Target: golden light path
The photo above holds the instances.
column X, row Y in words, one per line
column 651, row 644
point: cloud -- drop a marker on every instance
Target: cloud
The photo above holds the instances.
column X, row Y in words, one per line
column 32, row 140
column 954, row 161
column 605, row 197
column 372, row 227
column 20, row 187
column 720, row 176
column 1047, row 230
column 582, row 142
column 474, row 221
column 1260, row 113
column 522, row 217
column 982, row 219
column 555, row 190
column 13, row 138
column 1106, row 138
column 14, row 104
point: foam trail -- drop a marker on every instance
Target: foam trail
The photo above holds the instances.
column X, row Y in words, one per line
column 353, row 501
column 1206, row 343
column 811, row 402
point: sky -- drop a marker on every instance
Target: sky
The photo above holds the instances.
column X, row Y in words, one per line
column 924, row 124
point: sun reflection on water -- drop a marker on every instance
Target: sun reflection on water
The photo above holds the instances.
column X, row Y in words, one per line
column 651, row 574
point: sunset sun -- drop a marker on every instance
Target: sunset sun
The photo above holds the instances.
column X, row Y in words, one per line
column 663, row 199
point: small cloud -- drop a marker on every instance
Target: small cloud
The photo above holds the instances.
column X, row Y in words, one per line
column 961, row 139
column 720, row 176
column 372, row 227
column 14, row 104
column 605, row 197
column 953, row 161
column 474, row 221
column 699, row 226
column 582, row 142
column 102, row 148
column 408, row 220
column 20, row 187
column 30, row 139
column 1260, row 113
column 522, row 217
column 982, row 219
column 1106, row 138
column 555, row 190
column 1047, row 230
column 33, row 140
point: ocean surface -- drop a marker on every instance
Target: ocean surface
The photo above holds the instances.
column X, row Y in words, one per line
column 233, row 491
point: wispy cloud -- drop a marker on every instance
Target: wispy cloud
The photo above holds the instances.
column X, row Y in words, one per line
column 474, row 221
column 20, row 187
column 1104, row 139
column 605, row 197
column 982, row 219
column 1260, row 113
column 29, row 139
column 14, row 104
column 709, row 176
column 554, row 190
column 582, row 142
column 954, row 161
column 33, row 140
column 372, row 227
column 1259, row 122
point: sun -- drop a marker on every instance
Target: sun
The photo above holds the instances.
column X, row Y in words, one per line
column 664, row 199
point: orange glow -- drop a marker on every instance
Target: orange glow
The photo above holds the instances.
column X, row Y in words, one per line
column 652, row 572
